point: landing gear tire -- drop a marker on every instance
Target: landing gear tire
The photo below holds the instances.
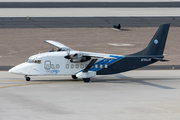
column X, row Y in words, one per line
column 27, row 78
column 74, row 77
column 86, row 80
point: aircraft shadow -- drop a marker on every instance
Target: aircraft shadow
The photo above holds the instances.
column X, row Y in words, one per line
column 117, row 78
column 119, row 81
column 125, row 79
column 125, row 29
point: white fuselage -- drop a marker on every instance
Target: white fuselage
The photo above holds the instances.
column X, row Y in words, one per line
column 50, row 63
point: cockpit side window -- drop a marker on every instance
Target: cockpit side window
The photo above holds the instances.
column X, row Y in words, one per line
column 39, row 61
column 33, row 61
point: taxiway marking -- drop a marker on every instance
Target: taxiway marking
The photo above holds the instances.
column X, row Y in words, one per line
column 34, row 84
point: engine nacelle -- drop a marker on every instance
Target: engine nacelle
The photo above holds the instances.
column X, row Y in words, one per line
column 81, row 59
column 86, row 74
column 77, row 58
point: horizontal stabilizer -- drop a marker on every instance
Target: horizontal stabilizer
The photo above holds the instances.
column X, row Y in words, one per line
column 160, row 59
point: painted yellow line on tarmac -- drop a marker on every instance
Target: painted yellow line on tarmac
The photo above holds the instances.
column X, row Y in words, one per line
column 34, row 84
column 12, row 80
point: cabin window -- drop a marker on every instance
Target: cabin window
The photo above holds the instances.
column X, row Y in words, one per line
column 106, row 66
column 72, row 66
column 77, row 66
column 96, row 66
column 67, row 66
column 82, row 66
column 101, row 66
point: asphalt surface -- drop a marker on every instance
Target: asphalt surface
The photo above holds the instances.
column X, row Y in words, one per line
column 87, row 4
column 137, row 95
column 80, row 22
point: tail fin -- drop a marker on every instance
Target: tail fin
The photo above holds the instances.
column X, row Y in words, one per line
column 157, row 43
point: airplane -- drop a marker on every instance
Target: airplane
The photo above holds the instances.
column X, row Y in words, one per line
column 85, row 65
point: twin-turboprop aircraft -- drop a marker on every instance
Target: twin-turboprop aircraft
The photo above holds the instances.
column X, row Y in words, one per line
column 79, row 64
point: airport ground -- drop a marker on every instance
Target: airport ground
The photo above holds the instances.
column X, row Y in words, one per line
column 136, row 95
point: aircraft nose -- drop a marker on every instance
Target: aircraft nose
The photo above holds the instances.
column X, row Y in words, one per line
column 19, row 69
column 13, row 70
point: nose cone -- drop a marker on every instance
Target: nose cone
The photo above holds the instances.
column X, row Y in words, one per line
column 19, row 69
column 12, row 70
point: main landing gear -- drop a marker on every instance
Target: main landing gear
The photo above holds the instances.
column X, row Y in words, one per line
column 74, row 77
column 86, row 80
column 27, row 78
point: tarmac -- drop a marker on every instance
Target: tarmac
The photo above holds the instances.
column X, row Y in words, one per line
column 85, row 22
column 136, row 95
column 85, row 4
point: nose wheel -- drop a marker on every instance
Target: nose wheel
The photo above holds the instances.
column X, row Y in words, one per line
column 27, row 78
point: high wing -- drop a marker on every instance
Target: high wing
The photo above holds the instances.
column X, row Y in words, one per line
column 76, row 53
column 59, row 45
column 95, row 55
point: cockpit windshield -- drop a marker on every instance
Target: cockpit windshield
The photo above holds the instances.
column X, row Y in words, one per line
column 33, row 61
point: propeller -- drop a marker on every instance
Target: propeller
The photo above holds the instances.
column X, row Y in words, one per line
column 52, row 49
column 68, row 56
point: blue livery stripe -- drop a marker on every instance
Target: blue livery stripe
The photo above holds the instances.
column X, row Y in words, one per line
column 103, row 62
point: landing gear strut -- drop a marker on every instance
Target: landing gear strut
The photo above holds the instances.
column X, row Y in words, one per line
column 86, row 80
column 27, row 78
column 74, row 77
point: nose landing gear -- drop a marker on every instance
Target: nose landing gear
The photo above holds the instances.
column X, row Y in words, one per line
column 27, row 78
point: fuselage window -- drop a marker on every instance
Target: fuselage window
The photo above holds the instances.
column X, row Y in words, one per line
column 82, row 66
column 77, row 66
column 67, row 66
column 101, row 66
column 106, row 66
column 96, row 66
column 72, row 66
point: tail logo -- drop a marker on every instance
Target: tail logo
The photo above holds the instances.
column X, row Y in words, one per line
column 155, row 41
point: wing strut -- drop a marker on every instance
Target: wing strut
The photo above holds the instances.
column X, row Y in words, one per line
column 88, row 67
